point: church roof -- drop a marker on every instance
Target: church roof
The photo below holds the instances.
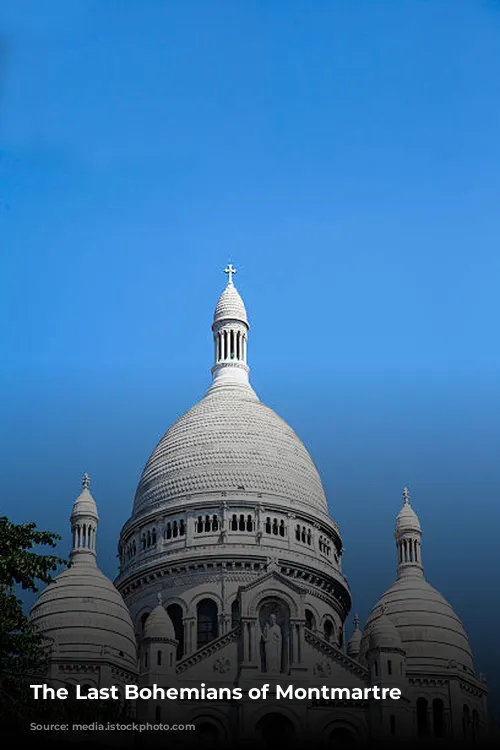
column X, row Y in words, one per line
column 230, row 441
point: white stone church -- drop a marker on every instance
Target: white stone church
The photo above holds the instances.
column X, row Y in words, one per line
column 231, row 575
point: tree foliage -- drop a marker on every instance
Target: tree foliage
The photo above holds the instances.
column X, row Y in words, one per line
column 22, row 648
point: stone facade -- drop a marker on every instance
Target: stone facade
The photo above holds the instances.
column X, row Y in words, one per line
column 231, row 570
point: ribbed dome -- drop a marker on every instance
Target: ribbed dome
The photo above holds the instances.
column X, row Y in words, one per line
column 230, row 441
column 230, row 306
column 383, row 633
column 407, row 519
column 159, row 624
column 86, row 617
column 354, row 644
column 430, row 631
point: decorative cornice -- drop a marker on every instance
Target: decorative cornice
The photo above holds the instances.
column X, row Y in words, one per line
column 336, row 654
column 208, row 650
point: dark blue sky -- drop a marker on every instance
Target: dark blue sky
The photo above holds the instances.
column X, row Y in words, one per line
column 346, row 156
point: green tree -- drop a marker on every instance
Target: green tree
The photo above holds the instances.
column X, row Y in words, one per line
column 22, row 648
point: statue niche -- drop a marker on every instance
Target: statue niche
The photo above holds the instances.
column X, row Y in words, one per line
column 274, row 641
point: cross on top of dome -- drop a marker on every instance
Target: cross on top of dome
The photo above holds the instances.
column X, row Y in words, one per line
column 230, row 270
column 406, row 496
column 85, row 481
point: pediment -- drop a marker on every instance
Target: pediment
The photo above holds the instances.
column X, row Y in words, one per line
column 272, row 584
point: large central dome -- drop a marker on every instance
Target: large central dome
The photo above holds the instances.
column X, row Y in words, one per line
column 230, row 441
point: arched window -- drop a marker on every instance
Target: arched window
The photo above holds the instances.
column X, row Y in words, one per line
column 275, row 527
column 174, row 611
column 282, row 528
column 389, row 667
column 438, row 717
column 465, row 721
column 340, row 640
column 242, row 522
column 234, row 523
column 175, row 529
column 207, row 523
column 158, row 658
column 199, row 525
column 182, row 527
column 168, row 532
column 143, row 619
column 422, row 718
column 475, row 725
column 249, row 523
column 268, row 525
column 207, row 621
column 235, row 613
column 328, row 630
column 310, row 623
column 215, row 523
column 297, row 533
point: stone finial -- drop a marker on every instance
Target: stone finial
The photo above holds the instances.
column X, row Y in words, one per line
column 356, row 621
column 159, row 596
column 406, row 496
column 85, row 481
column 230, row 270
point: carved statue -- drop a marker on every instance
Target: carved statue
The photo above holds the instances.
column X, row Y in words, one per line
column 273, row 641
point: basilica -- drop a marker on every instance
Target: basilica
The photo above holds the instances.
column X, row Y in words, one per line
column 231, row 576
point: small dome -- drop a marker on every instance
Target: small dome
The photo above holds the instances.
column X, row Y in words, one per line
column 85, row 504
column 407, row 519
column 230, row 306
column 431, row 633
column 159, row 624
column 383, row 633
column 85, row 616
column 354, row 644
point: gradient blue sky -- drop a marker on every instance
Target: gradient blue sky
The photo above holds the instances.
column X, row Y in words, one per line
column 346, row 156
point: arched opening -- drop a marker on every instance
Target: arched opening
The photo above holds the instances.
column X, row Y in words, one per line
column 174, row 611
column 207, row 734
column 475, row 725
column 328, row 630
column 392, row 724
column 342, row 737
column 207, row 621
column 310, row 621
column 422, row 718
column 465, row 721
column 438, row 717
column 235, row 613
column 274, row 729
column 142, row 622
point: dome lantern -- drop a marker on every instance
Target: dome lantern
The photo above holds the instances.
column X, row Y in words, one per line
column 230, row 332
column 84, row 519
column 408, row 539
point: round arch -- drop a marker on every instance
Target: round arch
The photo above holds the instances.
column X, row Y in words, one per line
column 296, row 608
column 209, row 728
column 275, row 727
column 192, row 606
column 342, row 733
